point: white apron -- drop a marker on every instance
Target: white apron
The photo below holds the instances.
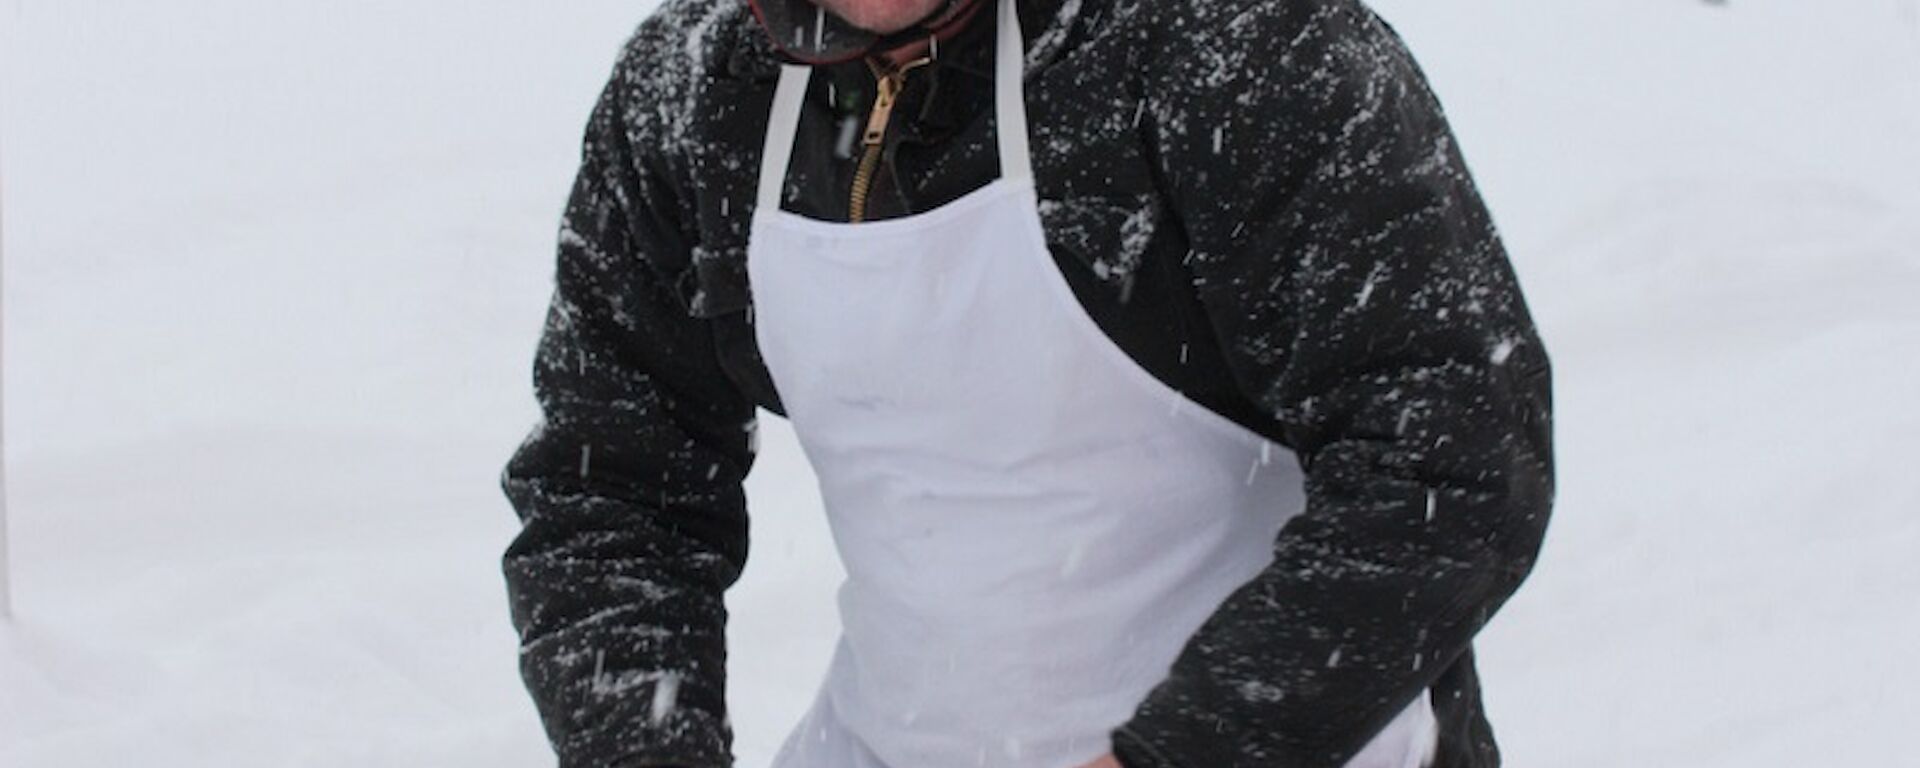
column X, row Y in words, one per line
column 1032, row 524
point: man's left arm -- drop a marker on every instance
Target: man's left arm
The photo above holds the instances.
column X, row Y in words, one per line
column 1363, row 298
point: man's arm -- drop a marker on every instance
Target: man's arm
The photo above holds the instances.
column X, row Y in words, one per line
column 629, row 491
column 1363, row 298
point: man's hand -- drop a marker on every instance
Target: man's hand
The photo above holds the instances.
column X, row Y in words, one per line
column 1106, row 761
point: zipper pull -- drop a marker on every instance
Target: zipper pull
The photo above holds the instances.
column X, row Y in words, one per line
column 889, row 90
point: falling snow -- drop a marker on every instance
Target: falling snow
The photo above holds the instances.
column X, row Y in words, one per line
column 1139, row 176
column 1661, row 246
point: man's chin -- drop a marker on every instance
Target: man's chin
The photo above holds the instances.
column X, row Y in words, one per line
column 886, row 26
column 882, row 20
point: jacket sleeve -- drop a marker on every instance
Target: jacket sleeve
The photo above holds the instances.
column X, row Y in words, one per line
column 1364, row 300
column 630, row 489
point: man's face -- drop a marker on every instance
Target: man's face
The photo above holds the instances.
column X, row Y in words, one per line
column 882, row 16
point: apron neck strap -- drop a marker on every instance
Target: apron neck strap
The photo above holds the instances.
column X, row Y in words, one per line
column 1010, row 112
column 1010, row 96
column 782, row 122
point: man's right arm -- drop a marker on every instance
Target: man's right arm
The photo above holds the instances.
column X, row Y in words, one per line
column 629, row 490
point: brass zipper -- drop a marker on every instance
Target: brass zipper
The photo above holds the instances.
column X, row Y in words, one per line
column 889, row 83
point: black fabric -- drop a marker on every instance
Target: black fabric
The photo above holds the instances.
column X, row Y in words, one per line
column 1262, row 205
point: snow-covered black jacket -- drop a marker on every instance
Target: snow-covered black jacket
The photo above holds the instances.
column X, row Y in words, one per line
column 1261, row 203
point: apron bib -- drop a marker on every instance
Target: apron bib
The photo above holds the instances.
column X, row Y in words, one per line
column 1032, row 524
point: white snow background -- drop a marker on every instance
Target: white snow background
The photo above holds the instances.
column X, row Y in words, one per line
column 274, row 272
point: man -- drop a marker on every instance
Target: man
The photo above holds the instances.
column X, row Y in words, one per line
column 1171, row 395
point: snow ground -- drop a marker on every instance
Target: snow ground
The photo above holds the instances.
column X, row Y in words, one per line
column 274, row 271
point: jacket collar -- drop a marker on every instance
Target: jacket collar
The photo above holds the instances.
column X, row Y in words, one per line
column 756, row 57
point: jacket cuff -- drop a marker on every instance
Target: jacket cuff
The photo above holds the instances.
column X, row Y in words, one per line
column 1169, row 731
column 689, row 738
column 1133, row 751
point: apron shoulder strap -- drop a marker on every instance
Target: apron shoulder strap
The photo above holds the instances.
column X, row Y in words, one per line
column 783, row 122
column 1010, row 96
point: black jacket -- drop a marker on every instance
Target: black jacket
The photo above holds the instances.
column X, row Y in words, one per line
column 1262, row 204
